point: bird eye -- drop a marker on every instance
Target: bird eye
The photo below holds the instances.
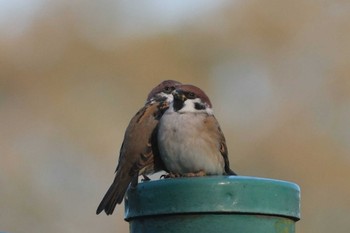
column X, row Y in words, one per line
column 191, row 95
column 167, row 89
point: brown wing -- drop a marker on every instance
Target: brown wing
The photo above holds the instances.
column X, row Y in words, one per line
column 214, row 126
column 136, row 154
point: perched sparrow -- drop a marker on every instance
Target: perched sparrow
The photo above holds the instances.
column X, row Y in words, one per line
column 139, row 153
column 190, row 140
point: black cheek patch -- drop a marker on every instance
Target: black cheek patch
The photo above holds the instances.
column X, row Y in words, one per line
column 199, row 106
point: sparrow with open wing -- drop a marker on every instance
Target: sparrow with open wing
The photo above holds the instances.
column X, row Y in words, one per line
column 190, row 140
column 139, row 153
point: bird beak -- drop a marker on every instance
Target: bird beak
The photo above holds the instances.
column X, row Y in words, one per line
column 179, row 95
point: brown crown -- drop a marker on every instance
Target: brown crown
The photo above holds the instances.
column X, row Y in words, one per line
column 196, row 90
column 161, row 87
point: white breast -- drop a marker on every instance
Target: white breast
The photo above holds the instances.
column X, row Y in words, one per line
column 185, row 147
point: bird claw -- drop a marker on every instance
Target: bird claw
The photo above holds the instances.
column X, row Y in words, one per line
column 170, row 175
column 195, row 174
column 145, row 178
column 177, row 175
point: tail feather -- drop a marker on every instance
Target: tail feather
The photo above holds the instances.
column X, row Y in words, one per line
column 114, row 196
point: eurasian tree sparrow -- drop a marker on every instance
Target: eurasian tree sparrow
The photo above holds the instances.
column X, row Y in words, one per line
column 139, row 152
column 190, row 140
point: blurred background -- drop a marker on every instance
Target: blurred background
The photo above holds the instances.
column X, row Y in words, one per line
column 73, row 73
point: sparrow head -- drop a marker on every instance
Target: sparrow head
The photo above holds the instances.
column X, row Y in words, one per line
column 163, row 91
column 189, row 98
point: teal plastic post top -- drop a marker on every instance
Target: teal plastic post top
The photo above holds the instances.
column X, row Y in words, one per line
column 213, row 204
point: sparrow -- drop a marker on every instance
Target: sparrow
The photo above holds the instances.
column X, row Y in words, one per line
column 190, row 140
column 139, row 154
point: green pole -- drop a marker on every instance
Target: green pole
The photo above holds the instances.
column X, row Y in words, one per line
column 213, row 204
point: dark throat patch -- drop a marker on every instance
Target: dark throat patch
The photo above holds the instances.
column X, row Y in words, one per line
column 178, row 104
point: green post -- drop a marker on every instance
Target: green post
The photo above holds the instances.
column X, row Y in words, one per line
column 213, row 204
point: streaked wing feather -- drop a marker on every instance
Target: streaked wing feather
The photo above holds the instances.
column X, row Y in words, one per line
column 214, row 124
column 135, row 154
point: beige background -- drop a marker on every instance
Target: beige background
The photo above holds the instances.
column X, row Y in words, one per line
column 73, row 73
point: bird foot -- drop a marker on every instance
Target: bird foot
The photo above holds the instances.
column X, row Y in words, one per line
column 170, row 175
column 195, row 174
column 177, row 175
column 145, row 178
